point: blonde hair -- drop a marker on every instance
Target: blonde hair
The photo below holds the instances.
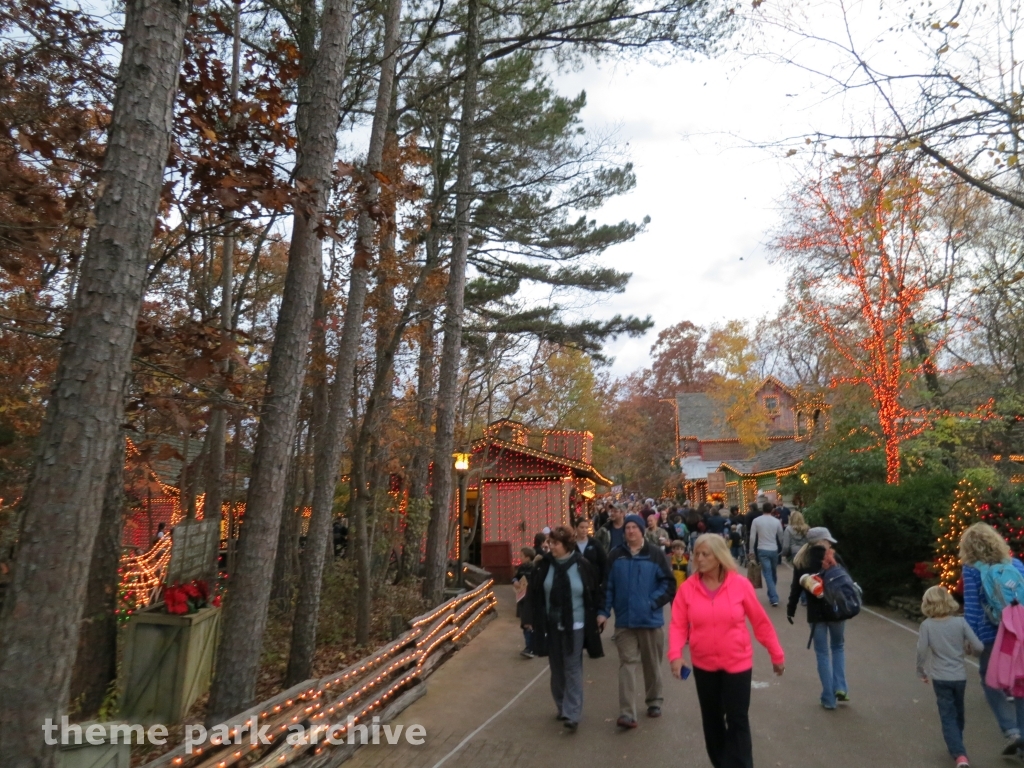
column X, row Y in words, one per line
column 798, row 523
column 800, row 558
column 937, row 603
column 719, row 549
column 982, row 543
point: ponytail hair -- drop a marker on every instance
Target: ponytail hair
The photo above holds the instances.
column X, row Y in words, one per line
column 801, row 557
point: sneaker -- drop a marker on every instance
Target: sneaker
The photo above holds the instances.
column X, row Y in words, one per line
column 963, row 762
column 526, row 653
column 561, row 717
column 775, row 605
column 1013, row 743
column 842, row 696
column 654, row 711
column 826, row 706
column 625, row 722
column 571, row 726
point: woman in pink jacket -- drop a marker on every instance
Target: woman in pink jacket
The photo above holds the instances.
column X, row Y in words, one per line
column 710, row 613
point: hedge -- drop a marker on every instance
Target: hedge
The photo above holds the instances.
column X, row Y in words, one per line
column 883, row 530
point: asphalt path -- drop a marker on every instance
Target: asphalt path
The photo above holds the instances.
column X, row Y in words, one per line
column 489, row 707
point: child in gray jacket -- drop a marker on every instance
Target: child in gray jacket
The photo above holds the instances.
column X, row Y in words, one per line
column 941, row 645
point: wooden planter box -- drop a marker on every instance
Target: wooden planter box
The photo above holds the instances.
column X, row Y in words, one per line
column 105, row 755
column 168, row 660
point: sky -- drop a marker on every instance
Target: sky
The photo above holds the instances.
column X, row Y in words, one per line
column 696, row 132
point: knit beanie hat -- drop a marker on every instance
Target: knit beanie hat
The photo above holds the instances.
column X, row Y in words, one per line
column 635, row 520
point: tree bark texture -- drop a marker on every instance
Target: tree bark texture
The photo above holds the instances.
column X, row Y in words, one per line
column 328, row 451
column 419, row 467
column 283, row 580
column 63, row 503
column 451, row 347
column 219, row 417
column 96, row 661
column 245, row 610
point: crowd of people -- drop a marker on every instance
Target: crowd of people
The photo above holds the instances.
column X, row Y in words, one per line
column 632, row 559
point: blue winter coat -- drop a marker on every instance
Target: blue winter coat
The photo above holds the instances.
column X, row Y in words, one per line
column 638, row 586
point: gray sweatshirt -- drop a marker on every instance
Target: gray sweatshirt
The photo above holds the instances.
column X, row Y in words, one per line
column 766, row 533
column 945, row 640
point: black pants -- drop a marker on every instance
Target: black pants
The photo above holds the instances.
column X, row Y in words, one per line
column 724, row 703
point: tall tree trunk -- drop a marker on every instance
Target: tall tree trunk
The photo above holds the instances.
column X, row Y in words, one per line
column 96, row 661
column 219, row 418
column 419, row 466
column 63, row 504
column 283, row 581
column 447, row 391
column 361, row 495
column 328, row 451
column 245, row 610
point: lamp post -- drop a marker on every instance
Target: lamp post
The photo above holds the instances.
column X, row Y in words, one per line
column 675, row 404
column 462, row 469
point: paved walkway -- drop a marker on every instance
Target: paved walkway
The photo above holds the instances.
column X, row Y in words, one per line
column 489, row 708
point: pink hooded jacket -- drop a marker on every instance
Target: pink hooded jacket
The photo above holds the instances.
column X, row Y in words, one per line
column 1006, row 665
column 716, row 627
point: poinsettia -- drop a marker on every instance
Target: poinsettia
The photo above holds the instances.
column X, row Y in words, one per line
column 189, row 597
column 175, row 600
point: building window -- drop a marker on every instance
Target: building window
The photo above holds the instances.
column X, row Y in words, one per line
column 771, row 405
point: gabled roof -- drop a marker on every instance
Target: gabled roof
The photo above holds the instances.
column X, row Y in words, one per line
column 781, row 455
column 701, row 417
column 777, row 383
column 580, row 467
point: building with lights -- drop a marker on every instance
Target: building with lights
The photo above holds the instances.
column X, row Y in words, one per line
column 707, row 443
column 519, row 488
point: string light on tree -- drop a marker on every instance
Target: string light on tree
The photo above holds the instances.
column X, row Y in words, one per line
column 963, row 513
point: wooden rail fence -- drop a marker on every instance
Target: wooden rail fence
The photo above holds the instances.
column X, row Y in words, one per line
column 382, row 685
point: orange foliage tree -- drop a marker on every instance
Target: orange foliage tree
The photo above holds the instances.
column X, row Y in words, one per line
column 859, row 253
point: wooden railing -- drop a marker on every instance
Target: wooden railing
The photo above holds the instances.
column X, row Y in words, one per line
column 380, row 685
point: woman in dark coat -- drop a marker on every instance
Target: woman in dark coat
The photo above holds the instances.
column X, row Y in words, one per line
column 827, row 634
column 561, row 609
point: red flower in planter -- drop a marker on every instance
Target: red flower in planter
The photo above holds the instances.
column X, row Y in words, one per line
column 192, row 591
column 924, row 571
column 175, row 600
column 216, row 601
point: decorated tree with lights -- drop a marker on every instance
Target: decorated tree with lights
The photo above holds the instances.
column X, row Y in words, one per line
column 862, row 276
column 962, row 514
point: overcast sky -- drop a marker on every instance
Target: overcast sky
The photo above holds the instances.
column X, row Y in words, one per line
column 712, row 195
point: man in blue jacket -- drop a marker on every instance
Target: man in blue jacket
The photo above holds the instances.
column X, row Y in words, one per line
column 639, row 584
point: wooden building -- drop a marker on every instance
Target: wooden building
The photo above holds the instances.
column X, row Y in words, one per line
column 707, row 442
column 521, row 489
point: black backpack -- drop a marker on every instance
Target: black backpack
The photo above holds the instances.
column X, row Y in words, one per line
column 842, row 594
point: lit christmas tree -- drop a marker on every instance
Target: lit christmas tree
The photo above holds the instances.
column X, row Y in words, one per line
column 962, row 514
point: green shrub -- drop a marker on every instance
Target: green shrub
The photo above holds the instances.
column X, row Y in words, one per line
column 883, row 530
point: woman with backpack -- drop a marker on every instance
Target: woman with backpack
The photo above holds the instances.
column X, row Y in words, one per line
column 984, row 555
column 827, row 632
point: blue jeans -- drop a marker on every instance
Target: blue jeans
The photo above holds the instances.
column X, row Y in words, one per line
column 1009, row 714
column 949, row 694
column 528, row 639
column 769, row 560
column 828, row 636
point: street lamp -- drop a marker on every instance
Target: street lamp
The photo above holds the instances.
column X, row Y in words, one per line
column 675, row 404
column 462, row 468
